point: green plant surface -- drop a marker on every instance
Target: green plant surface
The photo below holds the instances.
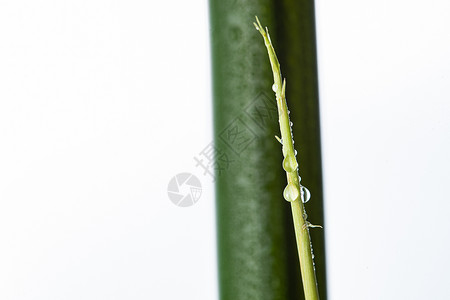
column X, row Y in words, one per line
column 294, row 192
column 257, row 253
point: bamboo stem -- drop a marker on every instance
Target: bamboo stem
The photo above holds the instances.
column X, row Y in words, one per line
column 294, row 191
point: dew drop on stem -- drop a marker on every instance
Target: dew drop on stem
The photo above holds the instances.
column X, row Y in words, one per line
column 305, row 194
column 290, row 163
column 274, row 87
column 290, row 193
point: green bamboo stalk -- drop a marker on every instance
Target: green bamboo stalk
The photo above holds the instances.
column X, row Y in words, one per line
column 253, row 226
column 294, row 192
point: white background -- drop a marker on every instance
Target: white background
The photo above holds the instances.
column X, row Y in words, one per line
column 103, row 102
column 385, row 103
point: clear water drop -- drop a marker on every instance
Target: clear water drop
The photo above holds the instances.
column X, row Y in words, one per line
column 290, row 123
column 290, row 193
column 295, row 152
column 305, row 194
column 289, row 112
column 274, row 87
column 290, row 163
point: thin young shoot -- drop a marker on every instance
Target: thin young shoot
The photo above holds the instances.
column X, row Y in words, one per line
column 294, row 190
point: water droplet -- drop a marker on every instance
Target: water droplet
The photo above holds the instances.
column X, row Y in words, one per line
column 305, row 194
column 295, row 152
column 289, row 112
column 290, row 123
column 290, row 163
column 290, row 193
column 274, row 87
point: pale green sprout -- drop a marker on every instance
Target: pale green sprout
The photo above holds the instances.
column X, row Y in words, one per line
column 294, row 190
